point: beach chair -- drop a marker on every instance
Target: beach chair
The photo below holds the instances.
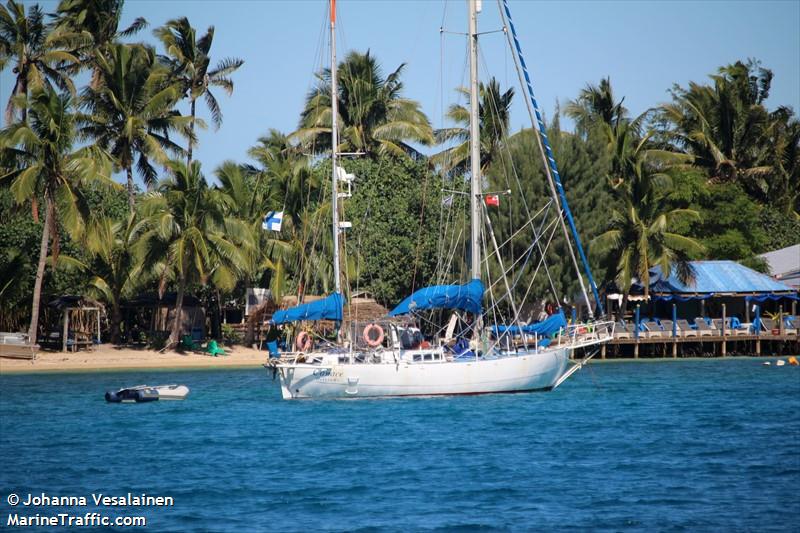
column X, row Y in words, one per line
column 667, row 325
column 187, row 343
column 790, row 325
column 718, row 324
column 621, row 331
column 737, row 327
column 703, row 329
column 685, row 330
column 652, row 329
column 213, row 349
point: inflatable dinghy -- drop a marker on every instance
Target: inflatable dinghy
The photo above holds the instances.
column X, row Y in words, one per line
column 148, row 393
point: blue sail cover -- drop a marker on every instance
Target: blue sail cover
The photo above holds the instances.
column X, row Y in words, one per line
column 329, row 308
column 545, row 328
column 467, row 297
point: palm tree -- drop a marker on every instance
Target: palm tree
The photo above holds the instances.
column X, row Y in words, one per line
column 186, row 233
column 249, row 203
column 131, row 111
column 723, row 126
column 113, row 267
column 44, row 164
column 596, row 105
column 98, row 21
column 783, row 135
column 188, row 60
column 283, row 171
column 39, row 54
column 642, row 228
column 494, row 112
column 374, row 118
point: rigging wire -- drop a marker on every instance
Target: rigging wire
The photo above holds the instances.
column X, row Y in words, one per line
column 505, row 151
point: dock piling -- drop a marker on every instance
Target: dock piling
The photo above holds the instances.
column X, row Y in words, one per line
column 724, row 339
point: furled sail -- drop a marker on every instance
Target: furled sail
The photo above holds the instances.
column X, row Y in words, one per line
column 466, row 297
column 329, row 308
column 544, row 328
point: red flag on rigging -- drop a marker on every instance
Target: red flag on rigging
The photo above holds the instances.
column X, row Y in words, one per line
column 492, row 199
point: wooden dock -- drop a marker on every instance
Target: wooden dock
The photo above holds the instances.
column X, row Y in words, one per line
column 707, row 345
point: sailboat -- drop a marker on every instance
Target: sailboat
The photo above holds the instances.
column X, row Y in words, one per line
column 385, row 360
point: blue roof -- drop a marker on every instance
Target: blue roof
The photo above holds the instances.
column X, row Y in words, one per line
column 329, row 308
column 717, row 277
column 466, row 297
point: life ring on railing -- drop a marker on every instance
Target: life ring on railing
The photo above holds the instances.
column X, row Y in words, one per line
column 373, row 335
column 303, row 342
column 581, row 330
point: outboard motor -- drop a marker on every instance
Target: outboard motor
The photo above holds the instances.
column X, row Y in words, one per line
column 113, row 397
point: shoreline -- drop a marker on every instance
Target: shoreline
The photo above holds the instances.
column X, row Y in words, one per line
column 107, row 358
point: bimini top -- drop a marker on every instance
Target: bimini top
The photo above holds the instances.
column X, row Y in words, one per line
column 329, row 308
column 544, row 328
column 716, row 277
column 466, row 297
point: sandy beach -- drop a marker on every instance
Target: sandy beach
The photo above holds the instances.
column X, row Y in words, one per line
column 109, row 357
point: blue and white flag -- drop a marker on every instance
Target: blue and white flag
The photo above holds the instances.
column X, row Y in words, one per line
column 273, row 220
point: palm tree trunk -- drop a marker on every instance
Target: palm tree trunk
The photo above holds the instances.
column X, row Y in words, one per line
column 116, row 320
column 131, row 191
column 24, row 90
column 623, row 306
column 191, row 136
column 174, row 336
column 37, row 287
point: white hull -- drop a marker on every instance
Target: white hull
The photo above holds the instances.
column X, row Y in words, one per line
column 512, row 373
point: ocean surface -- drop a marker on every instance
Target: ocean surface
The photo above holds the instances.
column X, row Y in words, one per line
column 669, row 446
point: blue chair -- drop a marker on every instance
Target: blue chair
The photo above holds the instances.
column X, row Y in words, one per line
column 272, row 347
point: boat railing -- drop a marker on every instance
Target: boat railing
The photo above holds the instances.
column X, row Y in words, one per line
column 588, row 333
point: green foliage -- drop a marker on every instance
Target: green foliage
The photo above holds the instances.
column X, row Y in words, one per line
column 41, row 57
column 715, row 150
column 730, row 133
column 189, row 63
column 583, row 165
column 374, row 117
column 494, row 111
column 780, row 231
column 230, row 335
column 395, row 216
column 42, row 164
column 131, row 111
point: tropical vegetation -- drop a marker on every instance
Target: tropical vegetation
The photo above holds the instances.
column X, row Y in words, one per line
column 713, row 173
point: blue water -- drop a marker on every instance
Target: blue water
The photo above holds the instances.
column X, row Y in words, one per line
column 687, row 445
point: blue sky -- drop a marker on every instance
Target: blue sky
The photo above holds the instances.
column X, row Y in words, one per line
column 643, row 46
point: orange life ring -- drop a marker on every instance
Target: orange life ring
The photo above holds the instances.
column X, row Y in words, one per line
column 369, row 339
column 303, row 341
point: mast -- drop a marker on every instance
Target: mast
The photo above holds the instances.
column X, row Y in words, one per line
column 337, row 275
column 475, row 143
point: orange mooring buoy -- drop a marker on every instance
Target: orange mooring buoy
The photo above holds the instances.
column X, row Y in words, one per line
column 793, row 361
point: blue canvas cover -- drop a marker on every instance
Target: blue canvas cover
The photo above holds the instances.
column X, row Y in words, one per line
column 545, row 328
column 329, row 308
column 468, row 297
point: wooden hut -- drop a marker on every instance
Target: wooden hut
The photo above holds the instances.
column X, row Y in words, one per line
column 80, row 322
